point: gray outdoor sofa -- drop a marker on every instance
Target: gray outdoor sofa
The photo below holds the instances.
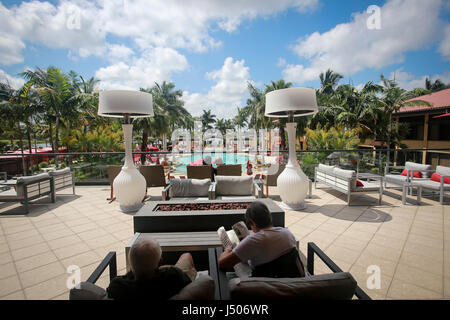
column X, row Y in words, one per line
column 336, row 285
column 411, row 167
column 188, row 189
column 236, row 187
column 428, row 184
column 63, row 179
column 345, row 181
column 30, row 188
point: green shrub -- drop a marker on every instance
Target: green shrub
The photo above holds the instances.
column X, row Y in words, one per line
column 43, row 164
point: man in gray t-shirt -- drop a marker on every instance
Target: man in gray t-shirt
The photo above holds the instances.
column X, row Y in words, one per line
column 266, row 244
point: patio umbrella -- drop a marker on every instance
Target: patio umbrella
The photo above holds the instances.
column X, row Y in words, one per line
column 442, row 115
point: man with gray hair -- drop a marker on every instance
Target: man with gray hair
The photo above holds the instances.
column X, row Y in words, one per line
column 148, row 278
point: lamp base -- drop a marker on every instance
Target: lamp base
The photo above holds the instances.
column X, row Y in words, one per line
column 128, row 209
column 293, row 206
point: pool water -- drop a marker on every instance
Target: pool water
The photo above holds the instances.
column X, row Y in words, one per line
column 228, row 158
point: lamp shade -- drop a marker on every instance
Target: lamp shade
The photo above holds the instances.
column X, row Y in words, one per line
column 117, row 103
column 296, row 101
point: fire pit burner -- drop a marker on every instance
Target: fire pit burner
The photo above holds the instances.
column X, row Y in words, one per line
column 202, row 206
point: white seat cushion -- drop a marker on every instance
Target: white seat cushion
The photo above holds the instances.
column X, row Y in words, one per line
column 10, row 194
column 189, row 187
column 234, row 185
column 443, row 171
column 325, row 168
column 368, row 186
column 430, row 184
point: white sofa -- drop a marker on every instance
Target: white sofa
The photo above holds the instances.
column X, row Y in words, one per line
column 411, row 167
column 345, row 181
column 429, row 184
column 187, row 189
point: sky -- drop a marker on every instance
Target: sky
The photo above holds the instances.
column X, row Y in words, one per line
column 211, row 49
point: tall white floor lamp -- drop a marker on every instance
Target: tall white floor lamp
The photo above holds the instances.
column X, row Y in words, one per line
column 292, row 183
column 129, row 185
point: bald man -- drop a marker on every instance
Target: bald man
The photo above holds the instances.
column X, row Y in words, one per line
column 148, row 279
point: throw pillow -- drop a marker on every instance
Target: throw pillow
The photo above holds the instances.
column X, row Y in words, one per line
column 359, row 183
column 416, row 174
column 437, row 177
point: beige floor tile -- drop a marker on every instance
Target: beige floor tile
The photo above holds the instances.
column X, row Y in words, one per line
column 124, row 234
column 102, row 241
column 357, row 234
column 52, row 228
column 5, row 258
column 25, row 242
column 57, row 234
column 447, row 287
column 84, row 227
column 427, row 241
column 35, row 261
column 19, row 229
column 48, row 289
column 7, row 270
column 417, row 261
column 367, row 282
column 30, row 251
column 429, row 253
column 367, row 260
column 41, row 274
column 18, row 295
column 9, row 285
column 342, row 253
column 82, row 259
column 387, row 241
column 400, row 290
column 90, row 234
column 387, row 253
column 419, row 278
column 64, row 242
column 71, row 250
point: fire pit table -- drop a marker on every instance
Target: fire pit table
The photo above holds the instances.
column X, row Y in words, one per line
column 191, row 216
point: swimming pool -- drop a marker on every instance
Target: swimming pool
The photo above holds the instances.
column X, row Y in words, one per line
column 228, row 158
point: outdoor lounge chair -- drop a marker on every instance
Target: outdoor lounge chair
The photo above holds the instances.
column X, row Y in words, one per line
column 399, row 180
column 337, row 285
column 202, row 288
column 30, row 188
column 440, row 187
column 345, row 181
column 200, row 172
column 271, row 179
column 154, row 175
column 229, row 169
column 113, row 171
column 187, row 189
column 62, row 179
column 235, row 187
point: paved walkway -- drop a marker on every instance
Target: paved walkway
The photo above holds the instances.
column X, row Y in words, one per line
column 410, row 244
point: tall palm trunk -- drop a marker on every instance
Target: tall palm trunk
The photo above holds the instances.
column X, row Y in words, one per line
column 24, row 167
column 389, row 139
column 50, row 133
column 30, row 148
column 144, row 145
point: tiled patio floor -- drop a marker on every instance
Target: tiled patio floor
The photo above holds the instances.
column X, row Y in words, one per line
column 410, row 244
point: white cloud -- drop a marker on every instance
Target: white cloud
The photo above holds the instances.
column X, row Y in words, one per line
column 82, row 26
column 352, row 47
column 156, row 64
column 228, row 92
column 14, row 82
column 409, row 81
column 444, row 47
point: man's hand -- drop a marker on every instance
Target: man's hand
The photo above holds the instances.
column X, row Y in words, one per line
column 228, row 259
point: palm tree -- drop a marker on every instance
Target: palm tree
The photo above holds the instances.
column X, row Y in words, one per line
column 393, row 99
column 255, row 108
column 280, row 84
column 329, row 81
column 435, row 86
column 207, row 119
column 57, row 94
column 223, row 124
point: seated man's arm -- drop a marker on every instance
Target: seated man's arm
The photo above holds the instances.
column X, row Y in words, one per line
column 228, row 259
